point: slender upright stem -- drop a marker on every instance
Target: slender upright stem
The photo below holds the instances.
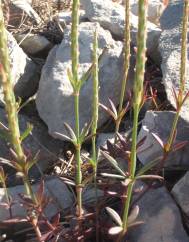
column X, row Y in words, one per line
column 74, row 39
column 184, row 46
column 95, row 120
column 138, row 90
column 95, row 94
column 12, row 112
column 10, row 102
column 183, row 74
column 9, row 98
column 75, row 66
column 126, row 60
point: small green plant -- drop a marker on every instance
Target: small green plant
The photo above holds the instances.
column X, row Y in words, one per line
column 21, row 164
column 76, row 83
column 137, row 100
column 131, row 175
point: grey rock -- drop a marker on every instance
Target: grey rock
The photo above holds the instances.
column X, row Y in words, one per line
column 111, row 16
column 65, row 17
column 170, row 49
column 25, row 73
column 39, row 140
column 155, row 9
column 160, row 123
column 62, row 198
column 180, row 192
column 103, row 138
column 89, row 195
column 33, row 44
column 161, row 217
column 55, row 86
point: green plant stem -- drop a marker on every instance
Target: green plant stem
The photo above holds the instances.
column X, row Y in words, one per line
column 9, row 98
column 138, row 90
column 11, row 107
column 74, row 39
column 183, row 71
column 28, row 187
column 75, row 63
column 78, row 158
column 10, row 102
column 95, row 120
column 126, row 61
column 184, row 46
column 172, row 133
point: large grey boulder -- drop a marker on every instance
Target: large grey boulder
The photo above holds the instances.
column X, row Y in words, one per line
column 33, row 44
column 160, row 123
column 50, row 150
column 25, row 73
column 170, row 49
column 155, row 9
column 111, row 15
column 161, row 217
column 61, row 198
column 180, row 192
column 55, row 100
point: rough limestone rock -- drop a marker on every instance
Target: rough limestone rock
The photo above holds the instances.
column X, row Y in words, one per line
column 55, row 88
column 162, row 219
column 155, row 9
column 62, row 198
column 180, row 192
column 160, row 123
column 111, row 15
column 65, row 17
column 33, row 43
column 39, row 140
column 170, row 49
column 25, row 73
column 89, row 195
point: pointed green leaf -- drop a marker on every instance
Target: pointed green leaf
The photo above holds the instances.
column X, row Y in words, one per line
column 115, row 216
column 149, row 166
column 113, row 107
column 115, row 230
column 62, row 136
column 26, row 132
column 133, row 215
column 84, row 132
column 70, row 131
column 112, row 176
column 149, row 177
column 70, row 77
column 86, row 76
column 114, row 163
column 108, row 110
column 33, row 161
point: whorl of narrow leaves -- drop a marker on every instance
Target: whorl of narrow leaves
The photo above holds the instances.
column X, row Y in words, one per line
column 9, row 98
